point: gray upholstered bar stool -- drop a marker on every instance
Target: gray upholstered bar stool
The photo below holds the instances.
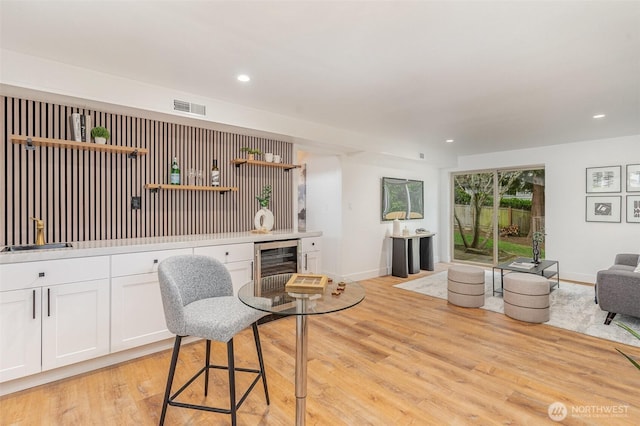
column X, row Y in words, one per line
column 198, row 300
column 526, row 297
column 465, row 286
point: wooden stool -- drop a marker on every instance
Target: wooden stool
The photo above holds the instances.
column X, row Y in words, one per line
column 526, row 297
column 465, row 286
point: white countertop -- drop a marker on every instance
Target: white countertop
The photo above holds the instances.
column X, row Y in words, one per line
column 132, row 245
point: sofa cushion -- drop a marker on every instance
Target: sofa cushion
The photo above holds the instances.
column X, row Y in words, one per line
column 622, row 268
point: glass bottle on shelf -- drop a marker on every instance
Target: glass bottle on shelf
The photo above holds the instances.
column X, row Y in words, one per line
column 215, row 174
column 175, row 172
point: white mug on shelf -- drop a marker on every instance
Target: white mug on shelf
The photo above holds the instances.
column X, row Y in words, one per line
column 277, row 159
column 268, row 157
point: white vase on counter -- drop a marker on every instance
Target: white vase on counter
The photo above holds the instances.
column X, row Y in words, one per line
column 396, row 227
column 100, row 141
column 264, row 220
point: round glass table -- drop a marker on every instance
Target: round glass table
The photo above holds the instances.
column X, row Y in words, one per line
column 269, row 295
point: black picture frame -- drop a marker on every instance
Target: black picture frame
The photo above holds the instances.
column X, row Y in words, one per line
column 603, row 209
column 633, row 177
column 633, row 209
column 401, row 199
column 603, row 179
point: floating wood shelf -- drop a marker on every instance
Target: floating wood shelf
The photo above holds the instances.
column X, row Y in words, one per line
column 154, row 187
column 240, row 161
column 31, row 141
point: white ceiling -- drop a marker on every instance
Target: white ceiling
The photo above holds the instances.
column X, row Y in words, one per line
column 491, row 75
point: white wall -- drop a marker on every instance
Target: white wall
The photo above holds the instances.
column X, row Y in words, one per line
column 366, row 248
column 581, row 247
column 324, row 194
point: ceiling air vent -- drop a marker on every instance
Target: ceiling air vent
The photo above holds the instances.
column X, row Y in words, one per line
column 189, row 107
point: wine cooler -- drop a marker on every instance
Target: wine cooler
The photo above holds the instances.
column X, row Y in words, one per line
column 275, row 262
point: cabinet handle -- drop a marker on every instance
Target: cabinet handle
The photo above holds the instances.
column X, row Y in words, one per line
column 252, row 270
column 313, row 244
column 40, row 274
column 226, row 253
column 306, row 266
column 34, row 304
column 48, row 302
column 155, row 261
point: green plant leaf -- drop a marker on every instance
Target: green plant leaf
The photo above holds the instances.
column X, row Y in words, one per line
column 629, row 329
column 631, row 360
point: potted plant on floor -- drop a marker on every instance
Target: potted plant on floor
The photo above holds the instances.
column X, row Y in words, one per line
column 637, row 335
column 100, row 135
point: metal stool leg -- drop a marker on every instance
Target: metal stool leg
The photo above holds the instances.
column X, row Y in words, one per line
column 232, row 382
column 207, row 362
column 172, row 370
column 256, row 337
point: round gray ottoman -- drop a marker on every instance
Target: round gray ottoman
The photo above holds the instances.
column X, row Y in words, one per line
column 465, row 286
column 526, row 297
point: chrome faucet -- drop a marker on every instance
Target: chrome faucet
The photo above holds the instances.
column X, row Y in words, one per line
column 39, row 231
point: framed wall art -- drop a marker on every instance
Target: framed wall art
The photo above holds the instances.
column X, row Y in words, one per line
column 633, row 208
column 402, row 199
column 633, row 177
column 604, row 179
column 603, row 209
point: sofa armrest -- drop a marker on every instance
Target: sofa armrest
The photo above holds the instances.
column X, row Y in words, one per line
column 619, row 292
column 628, row 259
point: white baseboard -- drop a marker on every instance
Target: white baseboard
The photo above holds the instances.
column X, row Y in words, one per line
column 86, row 366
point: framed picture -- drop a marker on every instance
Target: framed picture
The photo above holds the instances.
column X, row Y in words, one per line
column 633, row 177
column 633, row 208
column 604, row 179
column 603, row 209
column 402, row 199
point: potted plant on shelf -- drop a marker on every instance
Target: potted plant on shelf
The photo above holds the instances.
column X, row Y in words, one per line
column 100, row 135
column 251, row 152
column 263, row 220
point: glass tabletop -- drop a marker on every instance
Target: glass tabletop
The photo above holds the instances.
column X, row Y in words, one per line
column 269, row 295
column 524, row 264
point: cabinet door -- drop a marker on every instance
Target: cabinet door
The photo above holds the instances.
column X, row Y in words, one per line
column 241, row 273
column 137, row 315
column 311, row 262
column 75, row 322
column 20, row 330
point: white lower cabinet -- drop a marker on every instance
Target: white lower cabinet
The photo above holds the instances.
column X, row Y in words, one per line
column 20, row 329
column 75, row 323
column 46, row 323
column 137, row 315
column 237, row 258
column 311, row 256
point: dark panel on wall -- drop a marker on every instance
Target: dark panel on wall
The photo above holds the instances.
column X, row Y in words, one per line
column 86, row 195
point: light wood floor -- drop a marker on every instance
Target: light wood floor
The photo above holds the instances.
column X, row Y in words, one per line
column 398, row 358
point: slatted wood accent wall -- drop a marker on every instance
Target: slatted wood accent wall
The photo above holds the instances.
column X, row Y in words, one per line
column 86, row 195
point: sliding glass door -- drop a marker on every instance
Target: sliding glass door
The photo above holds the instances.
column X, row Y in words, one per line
column 495, row 213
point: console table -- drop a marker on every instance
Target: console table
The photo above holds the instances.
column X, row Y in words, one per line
column 411, row 253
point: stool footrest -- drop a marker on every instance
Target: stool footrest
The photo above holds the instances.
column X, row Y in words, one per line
column 214, row 409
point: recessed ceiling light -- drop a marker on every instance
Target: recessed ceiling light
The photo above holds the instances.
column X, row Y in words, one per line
column 244, row 78
column 449, row 140
column 599, row 116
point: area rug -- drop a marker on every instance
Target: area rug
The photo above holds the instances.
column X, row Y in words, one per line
column 572, row 307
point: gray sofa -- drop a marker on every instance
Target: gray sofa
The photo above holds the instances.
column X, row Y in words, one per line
column 618, row 288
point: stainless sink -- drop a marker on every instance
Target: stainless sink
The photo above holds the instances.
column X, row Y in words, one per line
column 32, row 247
